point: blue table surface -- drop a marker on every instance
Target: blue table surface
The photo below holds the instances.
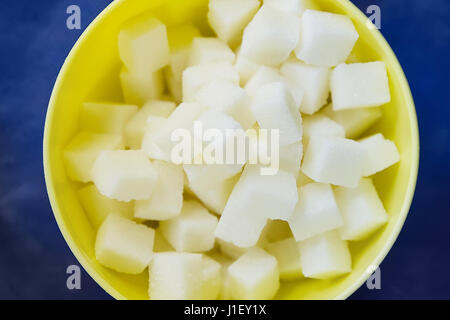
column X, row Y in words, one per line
column 34, row 42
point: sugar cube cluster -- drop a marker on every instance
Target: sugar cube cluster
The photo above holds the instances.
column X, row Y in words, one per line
column 225, row 231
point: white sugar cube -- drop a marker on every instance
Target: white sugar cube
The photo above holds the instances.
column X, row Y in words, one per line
column 274, row 109
column 167, row 197
column 326, row 38
column 181, row 120
column 293, row 6
column 246, row 67
column 290, row 157
column 82, row 151
column 254, row 276
column 213, row 196
column 362, row 210
column 228, row 18
column 263, row 75
column 319, row 124
column 287, row 253
column 212, row 278
column 227, row 97
column 124, row 245
column 124, row 175
column 334, row 160
column 208, row 50
column 354, row 121
column 325, row 256
column 141, row 86
column 196, row 77
column 135, row 126
column 175, row 276
column 143, row 44
column 105, row 117
column 234, row 252
column 313, row 80
column 316, row 211
column 359, row 85
column 209, row 175
column 97, row 206
column 382, row 154
column 230, row 250
column 225, row 262
column 212, row 162
column 271, row 36
column 152, row 126
column 180, row 40
column 254, row 199
column 192, row 230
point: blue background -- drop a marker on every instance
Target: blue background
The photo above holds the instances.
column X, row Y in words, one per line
column 34, row 42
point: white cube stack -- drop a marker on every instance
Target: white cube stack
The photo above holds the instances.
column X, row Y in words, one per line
column 208, row 50
column 197, row 76
column 291, row 157
column 180, row 41
column 271, row 36
column 166, row 199
column 229, row 166
column 274, row 109
column 333, row 160
column 179, row 121
column 325, row 256
column 135, row 126
column 316, row 212
column 320, row 125
column 287, row 253
column 313, row 80
column 98, row 207
column 82, row 151
column 254, row 276
column 254, row 200
column 245, row 67
column 175, row 276
column 143, row 44
column 228, row 18
column 124, row 175
column 192, row 230
column 362, row 210
column 124, row 245
column 211, row 278
column 144, row 50
column 148, row 145
column 139, row 87
column 326, row 38
column 213, row 195
column 381, row 154
column 354, row 121
column 227, row 97
column 263, row 75
column 359, row 85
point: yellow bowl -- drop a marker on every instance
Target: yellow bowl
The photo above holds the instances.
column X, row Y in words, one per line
column 90, row 72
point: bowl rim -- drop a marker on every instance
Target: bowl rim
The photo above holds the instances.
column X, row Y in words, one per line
column 86, row 261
